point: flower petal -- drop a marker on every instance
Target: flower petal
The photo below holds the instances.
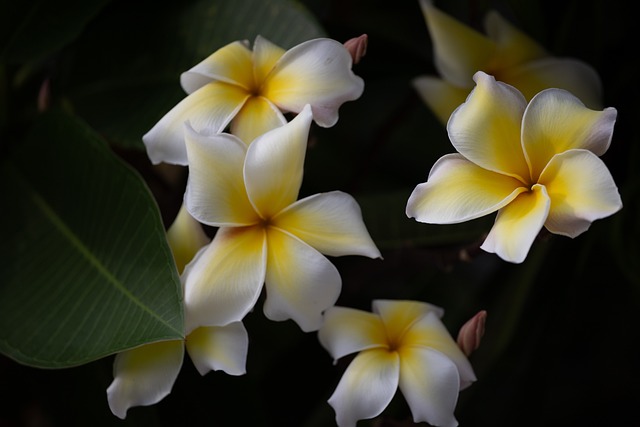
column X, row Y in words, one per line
column 556, row 121
column 440, row 96
column 225, row 279
column 231, row 64
column 331, row 223
column 316, row 72
column 366, row 388
column 399, row 315
column 265, row 56
column 144, row 375
column 430, row 383
column 214, row 348
column 458, row 190
column 209, row 109
column 215, row 193
column 459, row 50
column 518, row 224
column 274, row 165
column 347, row 330
column 185, row 237
column 486, row 128
column 301, row 283
column 581, row 189
column 256, row 117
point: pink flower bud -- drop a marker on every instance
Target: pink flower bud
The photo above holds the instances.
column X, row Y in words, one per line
column 357, row 47
column 471, row 333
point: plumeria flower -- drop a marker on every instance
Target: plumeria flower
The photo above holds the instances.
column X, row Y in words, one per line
column 400, row 344
column 265, row 236
column 145, row 375
column 536, row 164
column 251, row 90
column 504, row 52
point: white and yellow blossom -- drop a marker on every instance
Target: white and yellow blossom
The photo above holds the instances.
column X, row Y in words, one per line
column 145, row 375
column 401, row 344
column 251, row 90
column 265, row 236
column 504, row 52
column 536, row 164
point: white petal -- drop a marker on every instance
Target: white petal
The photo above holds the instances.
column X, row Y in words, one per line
column 225, row 280
column 301, row 283
column 347, row 330
column 581, row 189
column 331, row 223
column 274, row 165
column 518, row 224
column 214, row 348
column 458, row 190
column 265, row 56
column 257, row 116
column 215, row 193
column 366, row 388
column 316, row 72
column 430, row 383
column 440, row 96
column 144, row 375
column 209, row 109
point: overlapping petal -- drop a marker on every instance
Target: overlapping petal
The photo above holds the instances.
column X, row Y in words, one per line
column 257, row 116
column 316, row 72
column 144, row 375
column 265, row 56
column 581, row 190
column 458, row 190
column 518, row 224
column 398, row 316
column 330, row 222
column 367, row 386
column 486, row 128
column 300, row 282
column 216, row 348
column 225, row 279
column 209, row 109
column 185, row 237
column 215, row 193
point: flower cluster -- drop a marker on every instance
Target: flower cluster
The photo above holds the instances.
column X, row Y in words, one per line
column 528, row 147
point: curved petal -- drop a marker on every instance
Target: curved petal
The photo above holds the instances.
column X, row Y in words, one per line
column 366, row 388
column 330, row 222
column 569, row 74
column 209, row 109
column 301, row 283
column 399, row 315
column 459, row 50
column 273, row 167
column 144, row 375
column 231, row 64
column 347, row 330
column 226, row 278
column 486, row 128
column 185, row 237
column 214, row 348
column 581, row 189
column 458, row 190
column 556, row 121
column 440, row 96
column 265, row 56
column 518, row 224
column 316, row 72
column 430, row 383
column 256, row 117
column 429, row 332
column 215, row 193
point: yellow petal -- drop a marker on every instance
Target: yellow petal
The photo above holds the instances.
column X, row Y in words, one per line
column 458, row 190
column 486, row 128
column 581, row 189
column 185, row 236
column 214, row 348
column 399, row 315
column 517, row 225
column 440, row 96
column 331, row 223
column 256, row 117
column 265, row 57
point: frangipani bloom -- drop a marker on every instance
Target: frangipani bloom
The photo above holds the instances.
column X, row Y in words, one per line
column 146, row 374
column 504, row 52
column 251, row 89
column 536, row 164
column 265, row 236
column 401, row 344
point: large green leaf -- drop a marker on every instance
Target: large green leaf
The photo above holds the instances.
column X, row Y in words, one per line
column 86, row 269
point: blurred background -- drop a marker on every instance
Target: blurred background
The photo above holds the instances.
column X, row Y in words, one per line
column 560, row 346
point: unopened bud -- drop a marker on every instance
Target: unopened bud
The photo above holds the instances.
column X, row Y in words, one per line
column 357, row 47
column 471, row 333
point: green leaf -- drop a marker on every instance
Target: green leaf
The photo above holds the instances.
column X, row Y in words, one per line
column 86, row 268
